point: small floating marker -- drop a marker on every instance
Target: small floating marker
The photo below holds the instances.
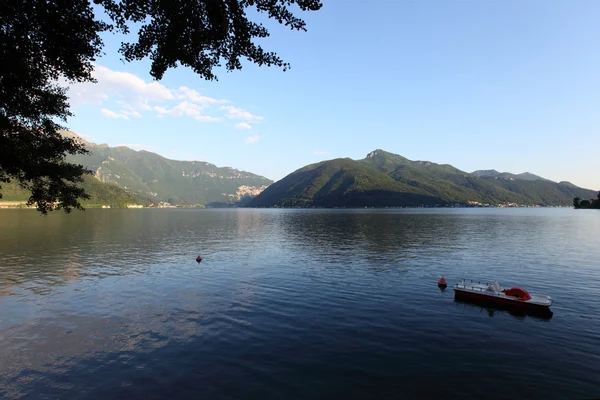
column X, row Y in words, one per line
column 442, row 282
column 198, row 259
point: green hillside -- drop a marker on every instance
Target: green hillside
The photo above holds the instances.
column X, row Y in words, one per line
column 386, row 179
column 102, row 194
column 545, row 192
column 150, row 175
column 442, row 181
column 492, row 173
column 123, row 176
column 341, row 182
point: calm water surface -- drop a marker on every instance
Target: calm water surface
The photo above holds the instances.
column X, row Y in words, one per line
column 295, row 304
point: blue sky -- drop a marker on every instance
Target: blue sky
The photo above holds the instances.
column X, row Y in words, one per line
column 508, row 85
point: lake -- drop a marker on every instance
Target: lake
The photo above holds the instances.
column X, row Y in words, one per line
column 295, row 304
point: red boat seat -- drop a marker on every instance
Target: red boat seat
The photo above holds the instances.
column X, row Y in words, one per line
column 517, row 292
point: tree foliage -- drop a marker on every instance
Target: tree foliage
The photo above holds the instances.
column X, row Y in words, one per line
column 45, row 41
column 584, row 204
column 100, row 194
column 41, row 42
column 591, row 203
column 200, row 33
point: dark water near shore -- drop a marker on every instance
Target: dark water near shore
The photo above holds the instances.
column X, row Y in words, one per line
column 110, row 304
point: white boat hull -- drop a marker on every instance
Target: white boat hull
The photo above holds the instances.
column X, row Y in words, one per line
column 495, row 294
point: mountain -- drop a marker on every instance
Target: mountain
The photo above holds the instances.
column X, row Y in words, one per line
column 340, row 182
column 387, row 179
column 151, row 176
column 492, row 173
column 442, row 181
column 102, row 194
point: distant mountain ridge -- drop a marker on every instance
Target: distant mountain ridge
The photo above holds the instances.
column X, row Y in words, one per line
column 387, row 179
column 150, row 176
column 492, row 173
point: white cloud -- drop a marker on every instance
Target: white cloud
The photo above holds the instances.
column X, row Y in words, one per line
column 111, row 114
column 117, row 81
column 252, row 139
column 190, row 94
column 206, row 118
column 128, row 110
column 186, row 108
column 131, row 96
column 243, row 125
column 237, row 113
column 124, row 113
column 125, row 86
column 131, row 113
column 320, row 153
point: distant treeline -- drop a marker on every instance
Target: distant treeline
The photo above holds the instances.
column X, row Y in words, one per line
column 591, row 203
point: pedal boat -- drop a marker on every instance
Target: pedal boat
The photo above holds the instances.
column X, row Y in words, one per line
column 495, row 294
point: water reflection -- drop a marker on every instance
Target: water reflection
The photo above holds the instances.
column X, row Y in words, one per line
column 384, row 240
column 101, row 243
column 496, row 309
column 39, row 253
column 290, row 304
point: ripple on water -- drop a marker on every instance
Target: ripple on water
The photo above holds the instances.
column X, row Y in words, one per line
column 294, row 304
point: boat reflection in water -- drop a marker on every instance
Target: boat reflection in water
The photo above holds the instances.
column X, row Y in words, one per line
column 494, row 308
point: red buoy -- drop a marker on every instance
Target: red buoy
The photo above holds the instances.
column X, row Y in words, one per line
column 442, row 282
column 199, row 259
